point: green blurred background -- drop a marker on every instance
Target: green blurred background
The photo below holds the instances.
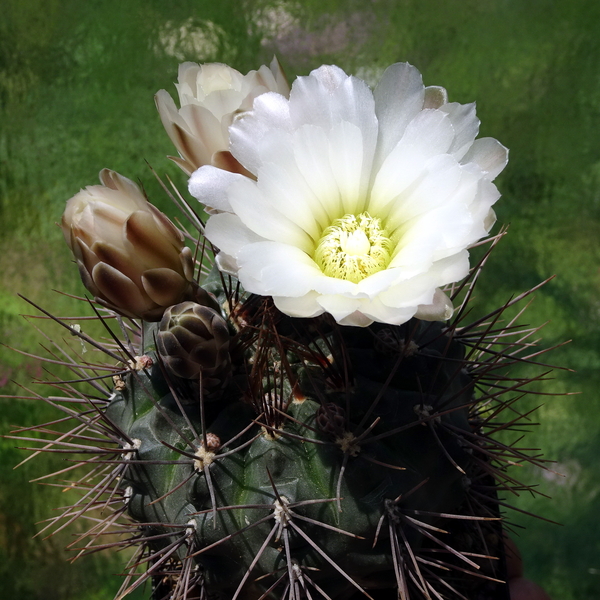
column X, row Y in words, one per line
column 76, row 94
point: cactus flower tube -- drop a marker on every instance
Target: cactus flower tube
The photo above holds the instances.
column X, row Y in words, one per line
column 211, row 96
column 364, row 203
column 130, row 256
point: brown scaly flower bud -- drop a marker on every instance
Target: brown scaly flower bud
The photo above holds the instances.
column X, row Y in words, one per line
column 194, row 338
column 130, row 256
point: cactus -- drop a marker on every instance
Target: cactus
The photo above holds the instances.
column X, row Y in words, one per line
column 320, row 461
column 247, row 452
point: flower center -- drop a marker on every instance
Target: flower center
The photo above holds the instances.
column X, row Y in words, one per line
column 353, row 248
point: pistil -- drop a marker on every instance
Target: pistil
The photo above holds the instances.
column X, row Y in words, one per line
column 354, row 247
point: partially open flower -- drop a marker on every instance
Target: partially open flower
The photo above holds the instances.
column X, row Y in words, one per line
column 130, row 256
column 193, row 340
column 211, row 96
column 365, row 202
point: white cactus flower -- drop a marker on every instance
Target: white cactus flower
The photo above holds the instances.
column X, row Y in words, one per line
column 211, row 96
column 363, row 204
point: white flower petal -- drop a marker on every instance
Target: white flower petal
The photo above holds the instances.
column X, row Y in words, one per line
column 328, row 96
column 432, row 236
column 465, row 124
column 489, row 220
column 204, row 125
column 187, row 75
column 227, row 232
column 312, row 98
column 373, row 285
column 429, row 134
column 443, row 175
column 358, row 318
column 440, row 309
column 270, row 113
column 343, row 107
column 452, row 268
column 226, row 263
column 265, row 266
column 340, row 307
column 350, row 163
column 209, row 185
column 223, row 102
column 484, row 217
column 276, row 147
column 280, row 78
column 489, row 154
column 333, row 285
column 377, row 311
column 399, row 97
column 311, row 153
column 303, row 307
column 261, row 217
column 120, row 193
column 286, row 188
column 420, row 288
column 410, row 293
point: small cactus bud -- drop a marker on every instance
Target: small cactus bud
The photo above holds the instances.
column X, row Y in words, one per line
column 130, row 256
column 194, row 339
column 331, row 419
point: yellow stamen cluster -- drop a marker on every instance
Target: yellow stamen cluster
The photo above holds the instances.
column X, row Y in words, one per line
column 353, row 248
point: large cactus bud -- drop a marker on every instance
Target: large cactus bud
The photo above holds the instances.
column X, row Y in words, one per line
column 211, row 96
column 194, row 339
column 130, row 256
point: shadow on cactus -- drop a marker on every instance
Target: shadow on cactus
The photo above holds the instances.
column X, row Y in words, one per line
column 251, row 435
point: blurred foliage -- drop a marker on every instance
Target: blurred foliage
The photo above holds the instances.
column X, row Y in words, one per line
column 76, row 94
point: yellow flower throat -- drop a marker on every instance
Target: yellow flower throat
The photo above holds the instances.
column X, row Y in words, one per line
column 353, row 248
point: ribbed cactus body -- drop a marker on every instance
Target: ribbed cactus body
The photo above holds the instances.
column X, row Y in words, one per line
column 320, row 457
